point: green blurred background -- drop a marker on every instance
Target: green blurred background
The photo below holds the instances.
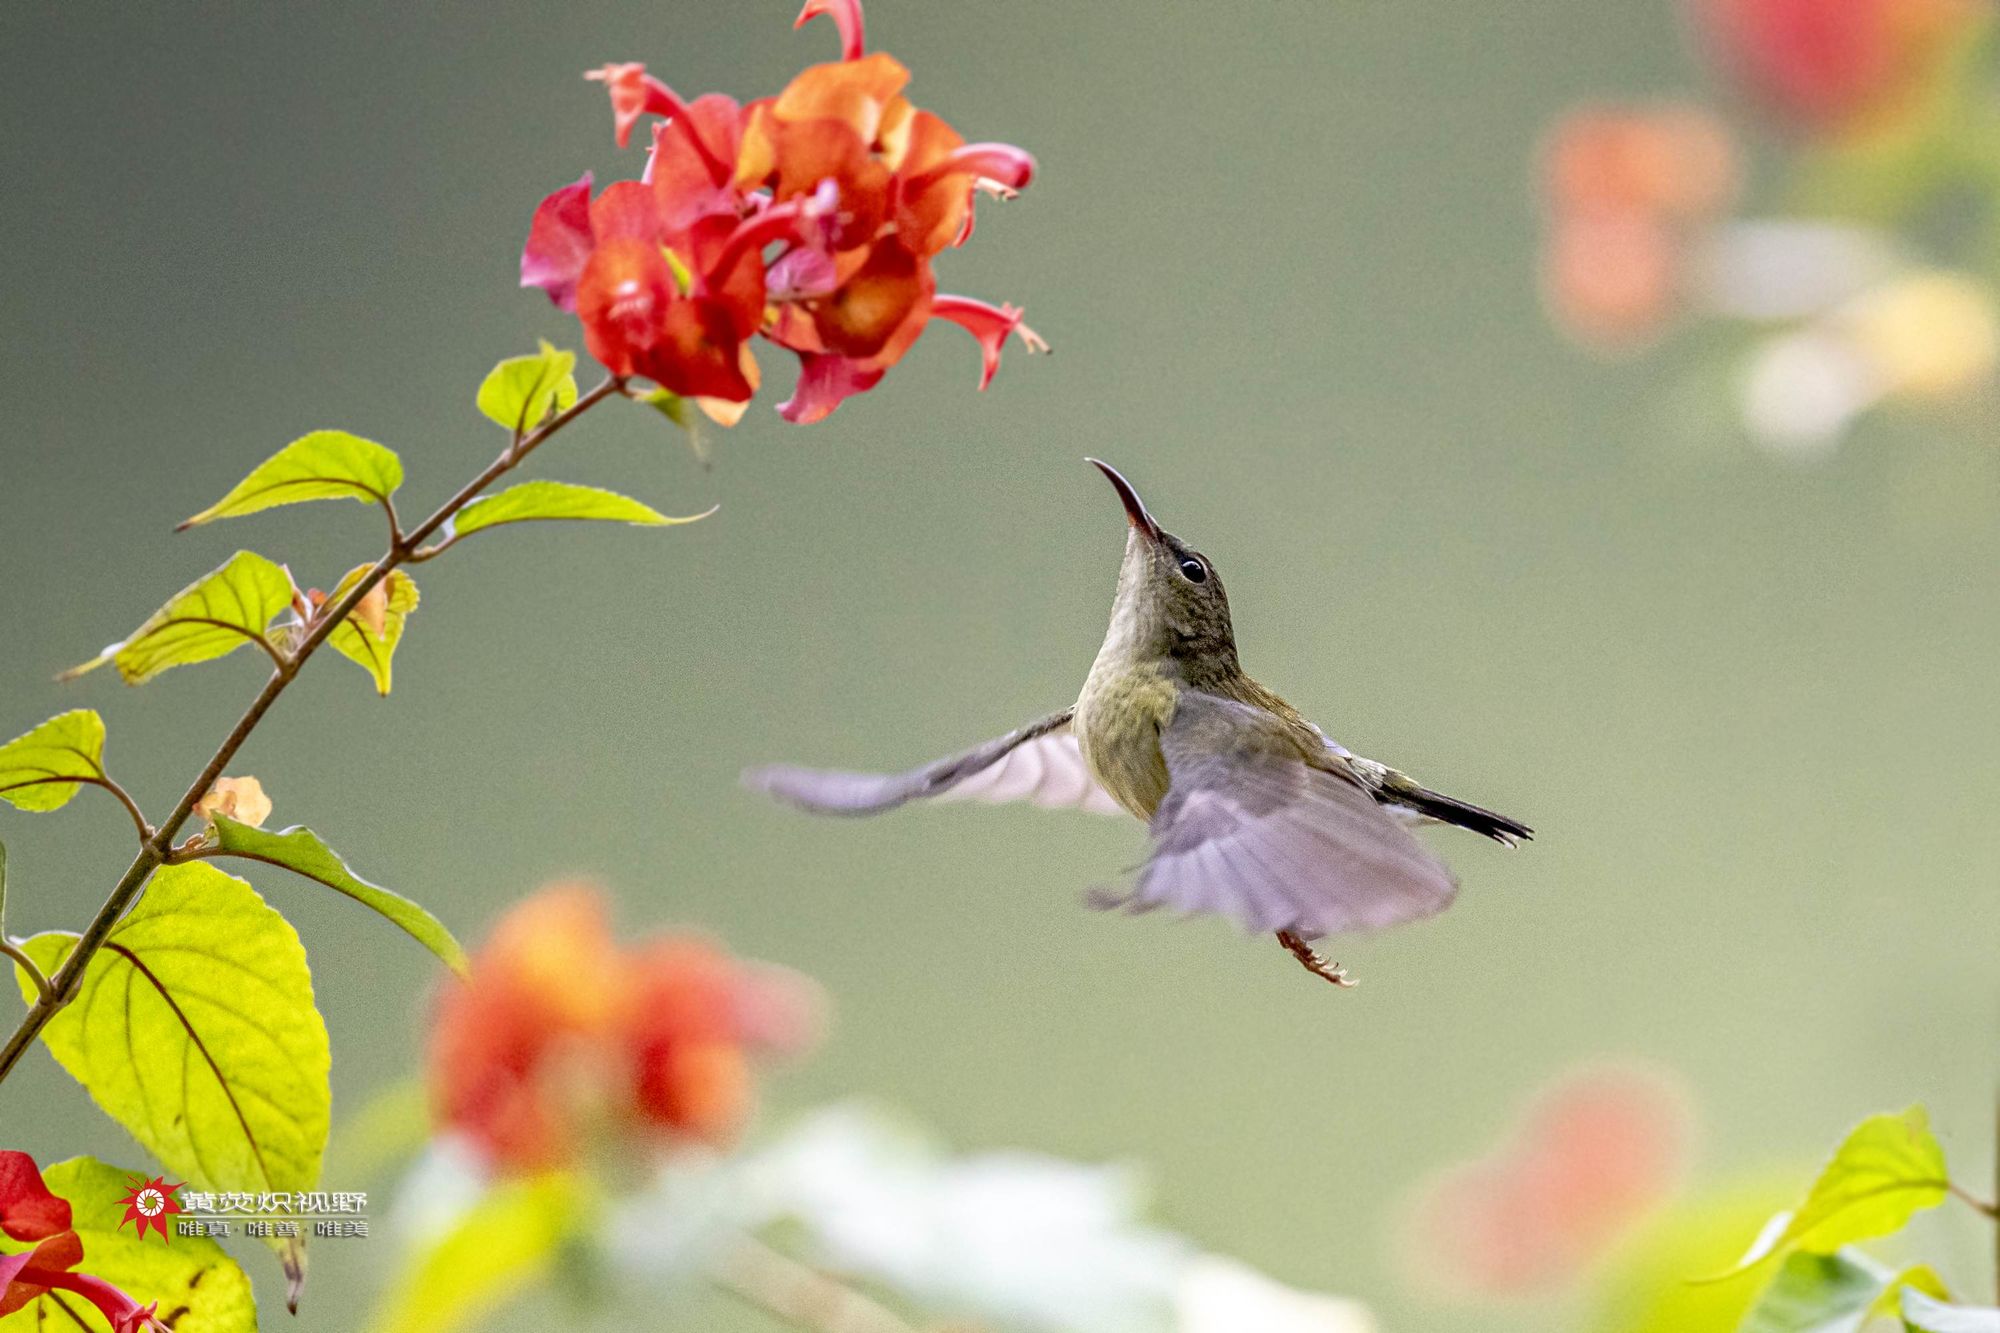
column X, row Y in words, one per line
column 1285, row 254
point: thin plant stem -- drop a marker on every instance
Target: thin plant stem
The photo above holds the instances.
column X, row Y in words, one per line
column 1973, row 1201
column 111, row 785
column 799, row 1294
column 28, row 965
column 158, row 849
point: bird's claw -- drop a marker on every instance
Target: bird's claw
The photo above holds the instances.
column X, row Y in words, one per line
column 1323, row 968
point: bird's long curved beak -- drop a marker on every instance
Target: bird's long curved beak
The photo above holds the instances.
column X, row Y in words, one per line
column 1135, row 508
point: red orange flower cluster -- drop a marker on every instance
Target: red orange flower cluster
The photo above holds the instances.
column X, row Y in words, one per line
column 810, row 219
column 1600, row 1148
column 1628, row 191
column 1834, row 65
column 30, row 1212
column 559, row 1033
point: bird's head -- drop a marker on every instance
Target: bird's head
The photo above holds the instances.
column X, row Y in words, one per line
column 1170, row 599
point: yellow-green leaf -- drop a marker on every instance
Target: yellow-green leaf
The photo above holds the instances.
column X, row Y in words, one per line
column 1643, row 1287
column 211, row 617
column 357, row 640
column 671, row 406
column 533, row 500
column 521, row 390
column 1833, row 1293
column 1921, row 1314
column 1888, row 1167
column 199, row 1289
column 301, row 851
column 325, row 465
column 195, row 1029
column 42, row 769
column 504, row 1244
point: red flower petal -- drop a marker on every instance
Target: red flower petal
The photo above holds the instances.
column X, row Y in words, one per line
column 856, row 93
column 1003, row 162
column 559, row 243
column 824, row 382
column 890, row 292
column 682, row 175
column 124, row 1314
column 538, row 990
column 28, row 1274
column 990, row 325
column 699, row 353
column 1828, row 63
column 27, row 1210
column 622, row 300
column 846, row 15
column 626, row 210
column 1590, row 1157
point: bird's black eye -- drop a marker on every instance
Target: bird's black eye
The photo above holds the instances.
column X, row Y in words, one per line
column 1193, row 570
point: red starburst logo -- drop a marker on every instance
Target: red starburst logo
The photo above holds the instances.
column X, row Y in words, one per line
column 149, row 1204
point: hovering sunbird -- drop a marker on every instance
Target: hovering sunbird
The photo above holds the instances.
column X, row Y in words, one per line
column 1255, row 813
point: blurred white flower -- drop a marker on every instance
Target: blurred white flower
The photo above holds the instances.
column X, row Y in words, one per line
column 443, row 1185
column 1924, row 334
column 1026, row 1240
column 1014, row 1240
column 1219, row 1295
column 1802, row 390
column 1772, row 269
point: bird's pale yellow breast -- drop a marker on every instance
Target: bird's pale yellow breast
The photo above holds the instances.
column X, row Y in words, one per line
column 1119, row 717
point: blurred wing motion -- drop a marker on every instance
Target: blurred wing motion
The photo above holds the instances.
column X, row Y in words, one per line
column 1039, row 762
column 1252, row 831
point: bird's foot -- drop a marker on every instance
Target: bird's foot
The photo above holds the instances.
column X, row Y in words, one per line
column 1309, row 959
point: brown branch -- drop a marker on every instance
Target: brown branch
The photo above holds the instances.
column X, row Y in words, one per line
column 109, row 784
column 28, row 965
column 158, row 849
column 1972, row 1201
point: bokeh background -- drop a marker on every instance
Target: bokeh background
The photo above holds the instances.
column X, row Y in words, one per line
column 1286, row 255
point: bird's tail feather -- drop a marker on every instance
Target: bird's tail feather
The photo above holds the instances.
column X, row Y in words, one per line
column 1436, row 805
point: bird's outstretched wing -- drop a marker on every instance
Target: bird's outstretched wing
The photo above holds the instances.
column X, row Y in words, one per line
column 1252, row 831
column 1039, row 762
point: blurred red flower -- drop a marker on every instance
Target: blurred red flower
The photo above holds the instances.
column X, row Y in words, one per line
column 30, row 1212
column 559, row 1032
column 1627, row 193
column 1833, row 65
column 810, row 218
column 1595, row 1152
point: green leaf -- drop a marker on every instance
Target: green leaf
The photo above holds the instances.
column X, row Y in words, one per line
column 1924, row 1315
column 325, row 465
column 300, row 850
column 211, row 617
column 533, row 500
column 199, row 1288
column 1888, row 1168
column 1642, row 1286
column 194, row 1028
column 521, row 390
column 42, row 769
column 357, row 641
column 1832, row 1293
column 671, row 406
column 502, row 1245
column 392, row 1123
